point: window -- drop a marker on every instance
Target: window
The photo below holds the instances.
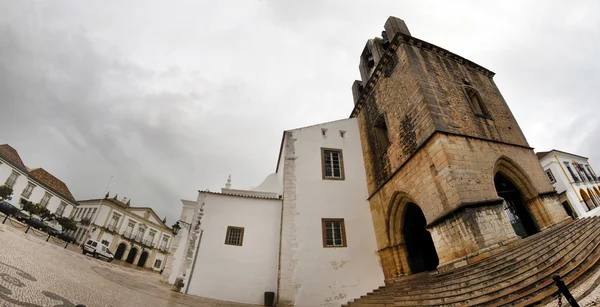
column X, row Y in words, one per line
column 10, row 181
column 575, row 178
column 550, row 176
column 476, row 102
column 235, row 236
column 157, row 263
column 591, row 172
column 45, row 200
column 334, row 233
column 381, row 133
column 28, row 190
column 332, row 164
column 105, row 243
column 61, row 208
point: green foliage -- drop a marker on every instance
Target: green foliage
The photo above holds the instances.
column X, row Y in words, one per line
column 67, row 223
column 5, row 192
column 39, row 210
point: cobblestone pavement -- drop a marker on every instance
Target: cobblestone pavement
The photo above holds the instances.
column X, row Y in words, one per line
column 36, row 273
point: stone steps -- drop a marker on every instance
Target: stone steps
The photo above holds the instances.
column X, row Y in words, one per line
column 519, row 276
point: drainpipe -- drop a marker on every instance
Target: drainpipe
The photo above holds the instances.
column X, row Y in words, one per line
column 194, row 263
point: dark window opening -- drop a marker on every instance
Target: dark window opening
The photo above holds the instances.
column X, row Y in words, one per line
column 381, row 132
column 476, row 102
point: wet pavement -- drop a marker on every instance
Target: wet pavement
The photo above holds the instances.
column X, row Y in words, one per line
column 35, row 273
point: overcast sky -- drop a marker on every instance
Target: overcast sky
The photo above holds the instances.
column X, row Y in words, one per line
column 173, row 96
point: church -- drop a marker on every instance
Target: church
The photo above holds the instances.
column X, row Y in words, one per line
column 430, row 174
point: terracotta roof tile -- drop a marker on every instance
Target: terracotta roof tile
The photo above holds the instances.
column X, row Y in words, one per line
column 52, row 183
column 12, row 156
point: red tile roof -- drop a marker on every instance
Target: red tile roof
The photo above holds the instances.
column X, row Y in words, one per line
column 12, row 156
column 53, row 183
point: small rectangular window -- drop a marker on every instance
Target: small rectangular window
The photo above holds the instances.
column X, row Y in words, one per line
column 332, row 164
column 476, row 102
column 235, row 236
column 334, row 233
column 46, row 199
column 550, row 176
column 10, row 181
column 28, row 190
column 157, row 263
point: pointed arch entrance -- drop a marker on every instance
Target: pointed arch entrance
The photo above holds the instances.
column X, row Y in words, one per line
column 422, row 255
column 142, row 261
column 131, row 255
column 514, row 205
column 120, row 251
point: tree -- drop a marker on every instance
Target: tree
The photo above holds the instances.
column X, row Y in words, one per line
column 39, row 210
column 5, row 192
column 67, row 223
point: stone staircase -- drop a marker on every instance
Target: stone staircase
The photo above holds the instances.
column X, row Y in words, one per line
column 519, row 276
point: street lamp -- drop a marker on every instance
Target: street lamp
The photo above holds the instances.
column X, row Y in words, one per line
column 176, row 226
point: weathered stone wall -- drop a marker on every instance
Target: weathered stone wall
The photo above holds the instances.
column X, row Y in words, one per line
column 449, row 178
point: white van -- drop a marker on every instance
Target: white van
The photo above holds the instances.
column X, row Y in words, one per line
column 97, row 249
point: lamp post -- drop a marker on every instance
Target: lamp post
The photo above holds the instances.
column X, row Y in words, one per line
column 176, row 226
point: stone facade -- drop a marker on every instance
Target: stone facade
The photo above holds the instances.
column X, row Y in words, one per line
column 444, row 150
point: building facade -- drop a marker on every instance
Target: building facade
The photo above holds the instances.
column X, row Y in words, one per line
column 135, row 235
column 305, row 233
column 449, row 172
column 575, row 180
column 34, row 185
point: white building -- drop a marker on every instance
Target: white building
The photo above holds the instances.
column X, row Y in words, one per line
column 305, row 233
column 575, row 181
column 34, row 185
column 135, row 235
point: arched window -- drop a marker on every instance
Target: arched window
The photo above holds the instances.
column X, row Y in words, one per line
column 587, row 202
column 474, row 99
column 381, row 132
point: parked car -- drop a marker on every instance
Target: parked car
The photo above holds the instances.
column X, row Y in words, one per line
column 9, row 209
column 97, row 249
column 53, row 228
column 67, row 238
column 36, row 223
column 23, row 216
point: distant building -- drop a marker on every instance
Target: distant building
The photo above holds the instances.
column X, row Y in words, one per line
column 574, row 179
column 35, row 185
column 135, row 235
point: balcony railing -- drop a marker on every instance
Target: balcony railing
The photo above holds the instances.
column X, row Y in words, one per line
column 86, row 221
column 128, row 234
column 148, row 242
column 112, row 228
column 163, row 248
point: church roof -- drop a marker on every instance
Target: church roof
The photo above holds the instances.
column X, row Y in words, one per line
column 52, row 183
column 240, row 195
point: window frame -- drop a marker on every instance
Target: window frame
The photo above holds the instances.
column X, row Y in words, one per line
column 228, row 233
column 159, row 263
column 16, row 177
column 324, row 222
column 45, row 205
column 485, row 113
column 381, row 124
column 340, row 157
column 61, row 208
column 550, row 174
column 27, row 193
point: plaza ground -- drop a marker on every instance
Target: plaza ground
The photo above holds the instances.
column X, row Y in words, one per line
column 35, row 273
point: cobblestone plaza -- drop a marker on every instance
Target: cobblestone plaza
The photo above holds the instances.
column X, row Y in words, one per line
column 34, row 273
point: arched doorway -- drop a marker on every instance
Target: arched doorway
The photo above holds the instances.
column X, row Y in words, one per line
column 589, row 205
column 143, row 258
column 131, row 255
column 421, row 252
column 518, row 214
column 593, row 197
column 120, row 251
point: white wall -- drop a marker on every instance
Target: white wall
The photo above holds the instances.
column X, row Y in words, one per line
column 311, row 274
column 564, row 181
column 237, row 273
column 20, row 184
column 176, row 265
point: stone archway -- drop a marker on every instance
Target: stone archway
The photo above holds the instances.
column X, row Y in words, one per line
column 593, row 197
column 120, row 251
column 131, row 255
column 420, row 249
column 411, row 248
column 515, row 207
column 142, row 261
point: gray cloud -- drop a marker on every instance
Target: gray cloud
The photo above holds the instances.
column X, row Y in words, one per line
column 171, row 98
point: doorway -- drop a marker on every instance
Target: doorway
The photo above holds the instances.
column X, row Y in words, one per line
column 514, row 206
column 120, row 251
column 143, row 258
column 422, row 256
column 131, row 255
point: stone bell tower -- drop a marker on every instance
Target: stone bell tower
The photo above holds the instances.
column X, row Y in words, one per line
column 450, row 174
